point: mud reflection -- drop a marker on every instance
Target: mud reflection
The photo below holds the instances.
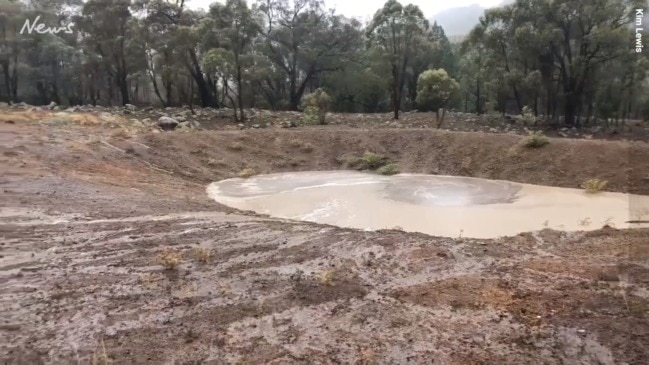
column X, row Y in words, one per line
column 438, row 205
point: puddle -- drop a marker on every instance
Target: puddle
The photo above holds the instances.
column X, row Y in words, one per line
column 438, row 205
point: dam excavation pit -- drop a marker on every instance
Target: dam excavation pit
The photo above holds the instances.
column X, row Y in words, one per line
column 449, row 206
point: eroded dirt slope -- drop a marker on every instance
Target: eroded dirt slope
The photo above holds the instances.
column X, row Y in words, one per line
column 85, row 220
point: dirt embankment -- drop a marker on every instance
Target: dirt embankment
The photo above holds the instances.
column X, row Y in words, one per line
column 210, row 156
column 86, row 220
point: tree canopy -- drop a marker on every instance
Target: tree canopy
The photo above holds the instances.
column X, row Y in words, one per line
column 567, row 61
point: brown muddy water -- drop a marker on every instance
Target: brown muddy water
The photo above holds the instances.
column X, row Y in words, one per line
column 448, row 206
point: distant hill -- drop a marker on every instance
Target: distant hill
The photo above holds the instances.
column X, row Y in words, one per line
column 458, row 22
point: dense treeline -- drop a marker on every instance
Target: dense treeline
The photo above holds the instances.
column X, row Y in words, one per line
column 566, row 60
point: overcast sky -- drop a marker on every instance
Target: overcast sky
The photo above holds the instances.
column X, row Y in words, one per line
column 365, row 9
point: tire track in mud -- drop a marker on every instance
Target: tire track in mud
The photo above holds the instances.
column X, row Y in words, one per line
column 98, row 279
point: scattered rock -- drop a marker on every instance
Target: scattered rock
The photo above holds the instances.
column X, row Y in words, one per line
column 52, row 105
column 167, row 123
column 287, row 124
column 130, row 107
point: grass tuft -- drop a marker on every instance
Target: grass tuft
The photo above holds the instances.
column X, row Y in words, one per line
column 594, row 186
column 236, row 146
column 247, row 173
column 202, row 254
column 327, row 278
column 170, row 259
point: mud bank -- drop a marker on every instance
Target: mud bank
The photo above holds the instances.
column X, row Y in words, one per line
column 213, row 156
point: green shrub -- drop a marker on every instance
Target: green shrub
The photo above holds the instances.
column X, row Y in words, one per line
column 316, row 105
column 311, row 115
column 536, row 140
column 246, row 173
column 388, row 170
column 594, row 186
column 372, row 161
column 527, row 114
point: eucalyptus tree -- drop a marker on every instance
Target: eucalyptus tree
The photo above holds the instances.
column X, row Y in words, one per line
column 228, row 34
column 561, row 45
column 396, row 31
column 304, row 41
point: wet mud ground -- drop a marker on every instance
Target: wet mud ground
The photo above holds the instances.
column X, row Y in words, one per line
column 83, row 226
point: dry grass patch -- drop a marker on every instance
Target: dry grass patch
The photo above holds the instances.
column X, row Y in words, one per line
column 102, row 358
column 327, row 278
column 202, row 254
column 594, row 186
column 247, row 173
column 170, row 259
column 236, row 146
column 122, row 133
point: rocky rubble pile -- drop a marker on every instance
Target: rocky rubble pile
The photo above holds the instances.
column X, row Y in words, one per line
column 187, row 118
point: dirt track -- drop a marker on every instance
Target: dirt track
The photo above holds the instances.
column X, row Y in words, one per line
column 84, row 221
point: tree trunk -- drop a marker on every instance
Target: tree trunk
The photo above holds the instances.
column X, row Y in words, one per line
column 569, row 107
column 396, row 104
column 240, row 93
column 478, row 107
column 123, row 89
column 207, row 97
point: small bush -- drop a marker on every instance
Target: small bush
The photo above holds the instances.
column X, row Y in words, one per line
column 372, row 161
column 121, row 133
column 388, row 170
column 311, row 115
column 246, row 173
column 327, row 278
column 536, row 140
column 236, row 146
column 527, row 114
column 316, row 105
column 594, row 186
column 170, row 259
column 202, row 254
column 296, row 143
